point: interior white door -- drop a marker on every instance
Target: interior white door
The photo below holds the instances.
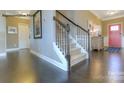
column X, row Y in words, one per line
column 23, row 36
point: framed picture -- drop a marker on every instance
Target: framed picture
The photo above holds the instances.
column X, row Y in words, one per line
column 12, row 30
column 37, row 24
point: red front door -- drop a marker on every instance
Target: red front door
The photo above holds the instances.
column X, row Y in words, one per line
column 115, row 35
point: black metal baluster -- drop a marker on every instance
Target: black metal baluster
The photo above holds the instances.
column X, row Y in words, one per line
column 58, row 34
column 79, row 37
column 82, row 38
column 89, row 45
column 64, row 45
column 62, row 41
column 86, row 41
column 65, row 42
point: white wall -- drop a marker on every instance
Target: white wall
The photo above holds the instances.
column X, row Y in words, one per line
column 44, row 46
column 2, row 34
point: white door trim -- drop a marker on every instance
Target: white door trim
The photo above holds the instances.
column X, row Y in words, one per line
column 19, row 34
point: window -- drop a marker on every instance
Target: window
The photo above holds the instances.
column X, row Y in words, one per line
column 114, row 28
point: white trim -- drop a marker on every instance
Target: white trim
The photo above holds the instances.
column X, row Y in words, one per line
column 114, row 17
column 19, row 35
column 95, row 14
column 3, row 54
column 107, row 18
column 52, row 61
column 12, row 49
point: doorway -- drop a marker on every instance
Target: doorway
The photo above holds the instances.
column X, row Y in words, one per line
column 115, row 35
column 23, row 36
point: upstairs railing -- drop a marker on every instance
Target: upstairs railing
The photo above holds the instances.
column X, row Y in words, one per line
column 65, row 28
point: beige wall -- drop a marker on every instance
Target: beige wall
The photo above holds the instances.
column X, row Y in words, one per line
column 12, row 39
column 82, row 17
column 107, row 22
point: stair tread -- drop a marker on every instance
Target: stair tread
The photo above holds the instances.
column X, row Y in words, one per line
column 77, row 56
column 75, row 48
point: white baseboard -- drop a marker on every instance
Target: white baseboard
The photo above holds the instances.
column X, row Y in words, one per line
column 12, row 49
column 52, row 61
column 3, row 54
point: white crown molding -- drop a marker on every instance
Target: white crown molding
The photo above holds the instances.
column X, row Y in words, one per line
column 95, row 14
column 114, row 17
column 108, row 18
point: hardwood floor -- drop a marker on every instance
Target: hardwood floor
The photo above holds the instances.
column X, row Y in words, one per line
column 104, row 67
column 23, row 67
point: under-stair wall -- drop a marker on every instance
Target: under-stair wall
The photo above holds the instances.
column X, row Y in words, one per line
column 44, row 47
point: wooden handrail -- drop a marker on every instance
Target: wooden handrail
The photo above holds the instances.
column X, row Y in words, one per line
column 54, row 18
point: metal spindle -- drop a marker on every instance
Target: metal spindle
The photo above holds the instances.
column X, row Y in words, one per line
column 57, row 34
column 62, row 41
column 68, row 49
column 89, row 44
column 65, row 43
column 82, row 38
column 86, row 41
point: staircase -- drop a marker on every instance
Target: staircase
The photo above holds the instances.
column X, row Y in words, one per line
column 75, row 53
column 72, row 40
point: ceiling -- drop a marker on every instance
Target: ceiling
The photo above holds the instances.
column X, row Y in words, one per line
column 16, row 12
column 102, row 14
column 108, row 14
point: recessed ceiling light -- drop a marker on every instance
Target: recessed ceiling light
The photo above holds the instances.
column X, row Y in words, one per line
column 112, row 12
column 23, row 12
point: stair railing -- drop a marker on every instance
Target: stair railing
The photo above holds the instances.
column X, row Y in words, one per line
column 65, row 28
column 62, row 40
column 81, row 35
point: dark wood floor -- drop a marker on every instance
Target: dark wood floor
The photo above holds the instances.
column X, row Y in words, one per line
column 23, row 67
